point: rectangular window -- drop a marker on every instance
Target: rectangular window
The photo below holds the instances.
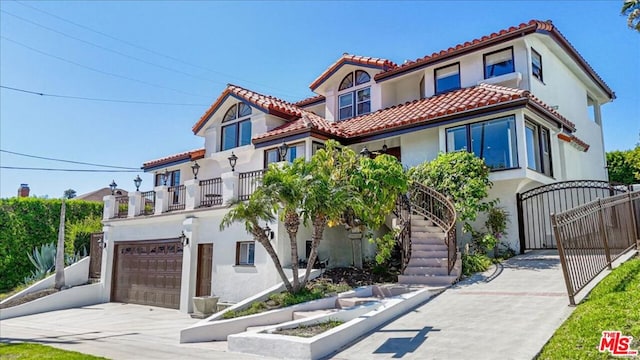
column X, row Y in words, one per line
column 536, row 65
column 447, row 78
column 236, row 134
column 493, row 140
column 538, row 148
column 272, row 155
column 315, row 146
column 173, row 178
column 362, row 100
column 346, row 106
column 498, row 63
column 245, row 253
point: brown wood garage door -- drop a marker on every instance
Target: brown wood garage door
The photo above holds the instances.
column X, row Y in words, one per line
column 148, row 273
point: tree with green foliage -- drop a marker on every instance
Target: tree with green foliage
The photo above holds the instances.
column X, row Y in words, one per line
column 461, row 176
column 624, row 166
column 69, row 194
column 631, row 9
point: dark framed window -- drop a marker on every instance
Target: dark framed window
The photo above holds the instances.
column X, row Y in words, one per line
column 498, row 63
column 245, row 252
column 494, row 141
column 272, row 155
column 315, row 146
column 538, row 148
column 237, row 133
column 173, row 178
column 421, row 85
column 358, row 101
column 447, row 78
column 536, row 64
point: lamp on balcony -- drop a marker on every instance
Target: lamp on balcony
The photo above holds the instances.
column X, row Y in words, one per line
column 195, row 168
column 137, row 181
column 232, row 161
column 183, row 239
column 365, row 152
column 165, row 177
column 384, row 148
column 113, row 186
column 267, row 232
column 282, row 151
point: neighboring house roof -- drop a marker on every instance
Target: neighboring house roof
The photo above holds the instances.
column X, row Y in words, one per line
column 99, row 194
column 346, row 59
column 310, row 101
column 174, row 159
column 533, row 26
column 268, row 104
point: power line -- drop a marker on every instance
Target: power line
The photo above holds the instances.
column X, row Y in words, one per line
column 67, row 161
column 68, row 170
column 97, row 70
column 95, row 99
column 150, row 50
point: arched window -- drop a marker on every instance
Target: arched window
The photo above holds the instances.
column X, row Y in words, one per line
column 238, row 133
column 355, row 102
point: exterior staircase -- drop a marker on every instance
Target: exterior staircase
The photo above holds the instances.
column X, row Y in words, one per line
column 427, row 221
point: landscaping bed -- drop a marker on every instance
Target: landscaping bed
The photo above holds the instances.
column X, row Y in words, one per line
column 26, row 298
column 308, row 331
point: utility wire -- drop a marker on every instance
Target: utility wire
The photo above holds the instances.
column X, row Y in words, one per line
column 67, row 161
column 150, row 50
column 96, row 99
column 97, row 70
column 71, row 170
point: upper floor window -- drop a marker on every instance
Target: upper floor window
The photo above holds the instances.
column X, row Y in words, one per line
column 498, row 63
column 172, row 178
column 239, row 132
column 447, row 78
column 245, row 252
column 536, row 65
column 593, row 110
column 293, row 152
column 354, row 102
column 538, row 148
column 492, row 140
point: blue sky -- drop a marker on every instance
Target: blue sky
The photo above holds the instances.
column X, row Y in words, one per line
column 186, row 52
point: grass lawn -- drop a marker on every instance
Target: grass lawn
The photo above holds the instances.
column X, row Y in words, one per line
column 37, row 351
column 614, row 304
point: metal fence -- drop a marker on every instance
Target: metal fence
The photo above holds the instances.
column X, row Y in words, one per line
column 591, row 236
column 176, row 197
column 122, row 211
column 148, row 203
column 211, row 192
column 249, row 182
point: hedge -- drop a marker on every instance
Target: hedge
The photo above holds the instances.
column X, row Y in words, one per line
column 26, row 223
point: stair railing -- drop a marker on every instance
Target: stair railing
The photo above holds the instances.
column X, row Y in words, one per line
column 402, row 212
column 431, row 204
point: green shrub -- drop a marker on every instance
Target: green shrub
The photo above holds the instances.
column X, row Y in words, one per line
column 27, row 223
column 473, row 263
column 78, row 234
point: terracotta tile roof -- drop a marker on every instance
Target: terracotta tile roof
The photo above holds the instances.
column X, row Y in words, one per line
column 497, row 37
column 269, row 104
column 309, row 121
column 437, row 107
column 382, row 64
column 309, row 101
column 574, row 141
column 187, row 155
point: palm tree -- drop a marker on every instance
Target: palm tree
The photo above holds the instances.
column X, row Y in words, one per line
column 255, row 210
column 631, row 9
column 59, row 279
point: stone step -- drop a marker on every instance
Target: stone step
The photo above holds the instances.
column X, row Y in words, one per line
column 428, row 247
column 427, row 280
column 306, row 314
column 384, row 291
column 429, row 240
column 430, row 262
column 427, row 235
column 415, row 221
column 353, row 301
column 426, row 270
column 429, row 254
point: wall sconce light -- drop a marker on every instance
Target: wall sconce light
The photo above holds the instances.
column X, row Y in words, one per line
column 232, row 161
column 165, row 177
column 384, row 147
column 113, row 186
column 137, row 181
column 268, row 232
column 102, row 243
column 282, row 151
column 183, row 239
column 365, row 152
column 195, row 168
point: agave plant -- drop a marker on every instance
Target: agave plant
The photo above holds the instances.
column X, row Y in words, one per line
column 43, row 259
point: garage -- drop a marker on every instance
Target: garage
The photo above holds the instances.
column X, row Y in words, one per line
column 148, row 273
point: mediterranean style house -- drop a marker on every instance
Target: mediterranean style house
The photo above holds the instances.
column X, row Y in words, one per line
column 522, row 98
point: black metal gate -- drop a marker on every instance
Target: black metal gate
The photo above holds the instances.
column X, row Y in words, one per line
column 535, row 207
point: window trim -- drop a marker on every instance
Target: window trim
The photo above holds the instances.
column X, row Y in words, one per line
column 469, row 146
column 541, row 78
column 238, row 249
column 172, row 176
column 293, row 145
column 538, row 128
column 236, row 123
column 484, row 61
column 352, row 91
column 435, row 79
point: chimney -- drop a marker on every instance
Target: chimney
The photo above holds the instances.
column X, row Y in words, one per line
column 23, row 191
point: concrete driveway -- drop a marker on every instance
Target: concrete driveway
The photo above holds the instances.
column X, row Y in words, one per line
column 115, row 331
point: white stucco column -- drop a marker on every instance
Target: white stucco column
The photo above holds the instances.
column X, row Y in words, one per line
column 106, row 268
column 135, row 203
column 162, row 199
column 230, row 181
column 211, row 141
column 192, row 198
column 109, row 211
column 189, row 265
